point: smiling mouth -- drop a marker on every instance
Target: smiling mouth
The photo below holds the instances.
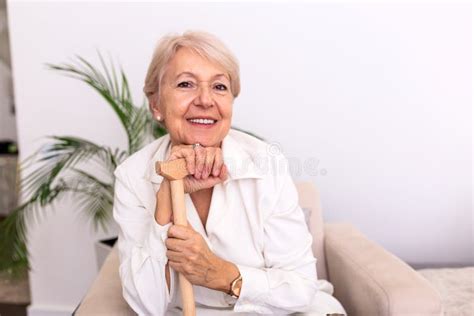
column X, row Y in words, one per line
column 202, row 121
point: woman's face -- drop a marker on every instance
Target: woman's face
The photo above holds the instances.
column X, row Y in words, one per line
column 195, row 100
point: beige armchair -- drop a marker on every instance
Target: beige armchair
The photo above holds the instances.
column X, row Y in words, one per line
column 367, row 279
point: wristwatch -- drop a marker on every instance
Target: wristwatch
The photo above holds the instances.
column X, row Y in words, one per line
column 235, row 287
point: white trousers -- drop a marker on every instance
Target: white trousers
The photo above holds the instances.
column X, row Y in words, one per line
column 323, row 303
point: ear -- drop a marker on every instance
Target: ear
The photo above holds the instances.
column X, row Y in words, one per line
column 154, row 108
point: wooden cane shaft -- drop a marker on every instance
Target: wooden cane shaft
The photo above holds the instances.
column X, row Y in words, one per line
column 180, row 218
column 187, row 294
column 177, row 200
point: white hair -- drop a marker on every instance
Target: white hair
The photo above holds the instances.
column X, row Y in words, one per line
column 205, row 44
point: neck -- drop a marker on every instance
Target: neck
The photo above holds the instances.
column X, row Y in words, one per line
column 204, row 194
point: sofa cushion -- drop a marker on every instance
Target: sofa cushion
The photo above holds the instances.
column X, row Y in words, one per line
column 456, row 287
column 105, row 295
column 310, row 203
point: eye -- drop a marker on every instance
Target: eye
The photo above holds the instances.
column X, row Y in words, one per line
column 221, row 87
column 185, row 84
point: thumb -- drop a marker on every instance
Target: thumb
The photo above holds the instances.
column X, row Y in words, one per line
column 189, row 224
column 212, row 181
column 224, row 173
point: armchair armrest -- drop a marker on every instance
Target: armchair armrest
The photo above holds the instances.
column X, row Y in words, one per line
column 105, row 295
column 368, row 280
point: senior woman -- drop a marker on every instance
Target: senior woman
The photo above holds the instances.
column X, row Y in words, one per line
column 246, row 247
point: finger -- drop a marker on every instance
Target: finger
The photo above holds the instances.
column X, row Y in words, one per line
column 190, row 161
column 175, row 256
column 200, row 159
column 179, row 232
column 174, row 244
column 218, row 162
column 179, row 151
column 224, row 173
column 212, row 181
column 186, row 152
column 177, row 266
column 209, row 161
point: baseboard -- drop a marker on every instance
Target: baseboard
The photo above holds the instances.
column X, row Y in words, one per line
column 439, row 265
column 45, row 310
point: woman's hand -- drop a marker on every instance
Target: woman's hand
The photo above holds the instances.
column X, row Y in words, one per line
column 189, row 255
column 205, row 165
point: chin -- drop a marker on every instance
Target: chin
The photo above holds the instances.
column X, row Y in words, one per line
column 207, row 141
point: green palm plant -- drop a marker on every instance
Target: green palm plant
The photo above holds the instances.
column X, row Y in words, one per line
column 60, row 167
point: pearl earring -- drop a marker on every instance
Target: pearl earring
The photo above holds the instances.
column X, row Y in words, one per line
column 158, row 118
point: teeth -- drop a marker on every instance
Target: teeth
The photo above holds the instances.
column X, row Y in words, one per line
column 202, row 121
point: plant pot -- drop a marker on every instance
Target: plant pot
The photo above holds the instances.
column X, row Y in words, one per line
column 102, row 250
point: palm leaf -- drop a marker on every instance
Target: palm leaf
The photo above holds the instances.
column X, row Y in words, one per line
column 115, row 90
column 50, row 180
column 63, row 153
column 94, row 197
column 54, row 169
column 13, row 234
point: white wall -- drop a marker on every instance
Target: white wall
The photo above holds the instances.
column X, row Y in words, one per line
column 378, row 96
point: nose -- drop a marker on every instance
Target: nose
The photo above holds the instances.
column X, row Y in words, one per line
column 204, row 96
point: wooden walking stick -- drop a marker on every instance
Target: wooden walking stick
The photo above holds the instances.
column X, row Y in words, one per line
column 175, row 171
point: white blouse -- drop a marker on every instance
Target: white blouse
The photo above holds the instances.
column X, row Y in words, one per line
column 254, row 221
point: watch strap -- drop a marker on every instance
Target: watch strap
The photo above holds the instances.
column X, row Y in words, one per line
column 232, row 286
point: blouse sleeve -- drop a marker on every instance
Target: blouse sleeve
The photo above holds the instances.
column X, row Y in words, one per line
column 288, row 283
column 142, row 252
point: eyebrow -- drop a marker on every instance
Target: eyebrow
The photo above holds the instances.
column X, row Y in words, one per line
column 193, row 75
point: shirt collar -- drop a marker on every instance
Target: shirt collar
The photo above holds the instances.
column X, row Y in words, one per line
column 240, row 164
